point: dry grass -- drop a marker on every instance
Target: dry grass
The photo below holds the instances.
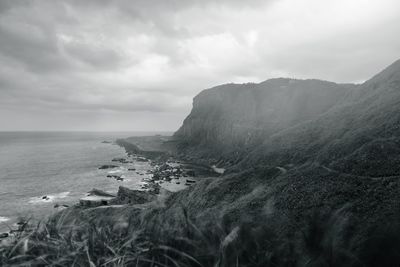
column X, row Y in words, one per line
column 327, row 240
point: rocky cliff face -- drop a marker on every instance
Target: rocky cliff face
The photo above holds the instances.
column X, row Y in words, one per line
column 320, row 148
column 232, row 118
column 353, row 129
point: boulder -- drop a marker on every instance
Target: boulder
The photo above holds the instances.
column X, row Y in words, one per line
column 4, row 235
column 95, row 201
column 98, row 192
column 118, row 159
column 60, row 206
column 129, row 196
column 108, row 167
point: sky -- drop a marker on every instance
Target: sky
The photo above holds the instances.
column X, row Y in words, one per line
column 135, row 65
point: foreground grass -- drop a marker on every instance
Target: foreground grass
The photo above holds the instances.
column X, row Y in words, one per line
column 326, row 240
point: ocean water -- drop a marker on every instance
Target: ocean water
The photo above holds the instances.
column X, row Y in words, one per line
column 60, row 165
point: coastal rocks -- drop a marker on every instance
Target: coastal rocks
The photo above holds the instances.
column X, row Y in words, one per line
column 141, row 159
column 45, row 198
column 96, row 198
column 98, row 192
column 121, row 160
column 94, row 201
column 189, row 182
column 62, row 206
column 151, row 187
column 129, row 196
column 108, row 166
column 116, row 177
column 106, row 142
column 167, row 172
column 4, row 235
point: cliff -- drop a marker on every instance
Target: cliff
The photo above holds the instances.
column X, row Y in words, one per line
column 234, row 118
column 359, row 135
column 283, row 122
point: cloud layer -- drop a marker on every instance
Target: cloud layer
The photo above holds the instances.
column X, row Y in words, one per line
column 136, row 65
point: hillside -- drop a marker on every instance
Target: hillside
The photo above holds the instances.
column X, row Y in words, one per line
column 348, row 128
column 359, row 135
column 232, row 118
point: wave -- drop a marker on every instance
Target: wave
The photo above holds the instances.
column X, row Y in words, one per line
column 119, row 170
column 4, row 219
column 48, row 198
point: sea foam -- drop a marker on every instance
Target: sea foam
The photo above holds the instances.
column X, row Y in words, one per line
column 49, row 198
column 4, row 219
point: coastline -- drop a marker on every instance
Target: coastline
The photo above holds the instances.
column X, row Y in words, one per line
column 166, row 174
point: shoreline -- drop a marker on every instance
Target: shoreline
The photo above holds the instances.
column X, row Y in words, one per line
column 166, row 174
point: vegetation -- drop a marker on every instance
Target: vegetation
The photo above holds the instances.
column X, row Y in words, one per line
column 326, row 240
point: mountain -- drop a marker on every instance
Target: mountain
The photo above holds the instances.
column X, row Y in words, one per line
column 304, row 147
column 359, row 135
column 285, row 122
column 234, row 116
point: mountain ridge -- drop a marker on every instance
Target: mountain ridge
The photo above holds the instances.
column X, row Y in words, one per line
column 351, row 117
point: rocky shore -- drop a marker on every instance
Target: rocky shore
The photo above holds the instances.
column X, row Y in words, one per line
column 164, row 176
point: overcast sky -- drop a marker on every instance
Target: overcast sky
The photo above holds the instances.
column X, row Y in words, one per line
column 137, row 64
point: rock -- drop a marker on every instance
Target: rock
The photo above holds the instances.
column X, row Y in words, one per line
column 59, row 206
column 4, row 235
column 100, row 193
column 142, row 159
column 118, row 159
column 95, row 201
column 190, row 181
column 45, row 198
column 106, row 142
column 121, row 160
column 22, row 222
column 113, row 176
column 131, row 169
column 129, row 196
column 119, row 179
column 108, row 167
column 156, row 176
column 155, row 188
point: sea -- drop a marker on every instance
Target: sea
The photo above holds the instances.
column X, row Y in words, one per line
column 41, row 169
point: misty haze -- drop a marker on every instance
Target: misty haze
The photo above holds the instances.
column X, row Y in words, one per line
column 199, row 133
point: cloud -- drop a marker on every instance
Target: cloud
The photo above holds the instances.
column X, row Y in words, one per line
column 136, row 65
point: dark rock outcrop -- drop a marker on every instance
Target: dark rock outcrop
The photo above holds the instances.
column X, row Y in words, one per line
column 129, row 196
column 98, row 192
column 103, row 167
